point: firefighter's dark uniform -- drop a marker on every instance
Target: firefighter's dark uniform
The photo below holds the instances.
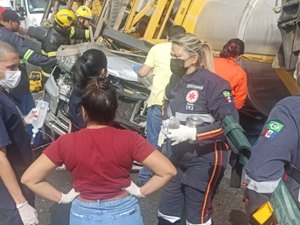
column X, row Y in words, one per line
column 26, row 55
column 277, row 147
column 200, row 165
column 57, row 36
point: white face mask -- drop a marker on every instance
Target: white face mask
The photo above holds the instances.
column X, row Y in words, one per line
column 11, row 79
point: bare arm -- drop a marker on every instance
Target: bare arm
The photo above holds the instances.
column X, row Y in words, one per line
column 163, row 171
column 144, row 70
column 9, row 178
column 35, row 179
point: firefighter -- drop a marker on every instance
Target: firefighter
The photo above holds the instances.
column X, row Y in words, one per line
column 61, row 32
column 276, row 154
column 199, row 151
column 84, row 17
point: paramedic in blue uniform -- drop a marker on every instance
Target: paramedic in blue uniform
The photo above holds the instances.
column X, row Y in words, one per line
column 199, row 153
column 278, row 146
column 21, row 94
column 16, row 201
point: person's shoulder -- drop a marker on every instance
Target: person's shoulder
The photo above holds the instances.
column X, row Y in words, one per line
column 218, row 59
column 124, row 133
column 240, row 70
column 67, row 136
column 290, row 102
column 5, row 100
column 127, row 135
column 6, row 31
column 215, row 81
column 212, row 77
column 163, row 45
column 288, row 106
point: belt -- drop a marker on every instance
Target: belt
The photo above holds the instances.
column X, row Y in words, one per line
column 122, row 195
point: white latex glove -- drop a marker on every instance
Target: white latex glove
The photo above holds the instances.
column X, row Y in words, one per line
column 69, row 197
column 133, row 189
column 27, row 213
column 183, row 133
column 29, row 117
column 165, row 123
column 162, row 136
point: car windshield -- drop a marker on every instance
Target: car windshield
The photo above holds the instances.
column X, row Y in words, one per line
column 37, row 6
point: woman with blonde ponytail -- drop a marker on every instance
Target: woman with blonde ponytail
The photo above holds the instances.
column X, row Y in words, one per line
column 198, row 99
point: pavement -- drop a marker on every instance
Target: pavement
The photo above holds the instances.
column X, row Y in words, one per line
column 228, row 205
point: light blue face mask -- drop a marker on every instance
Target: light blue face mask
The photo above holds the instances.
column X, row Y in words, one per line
column 11, row 79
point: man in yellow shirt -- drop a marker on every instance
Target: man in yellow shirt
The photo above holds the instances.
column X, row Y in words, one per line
column 158, row 61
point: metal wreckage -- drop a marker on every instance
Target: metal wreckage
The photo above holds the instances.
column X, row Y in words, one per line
column 126, row 29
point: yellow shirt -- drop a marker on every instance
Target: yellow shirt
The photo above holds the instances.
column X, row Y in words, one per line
column 159, row 58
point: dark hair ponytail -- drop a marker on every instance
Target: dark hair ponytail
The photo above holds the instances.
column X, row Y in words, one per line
column 99, row 101
column 233, row 48
column 92, row 63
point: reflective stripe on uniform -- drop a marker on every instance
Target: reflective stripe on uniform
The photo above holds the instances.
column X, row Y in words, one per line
column 171, row 219
column 209, row 222
column 45, row 74
column 27, row 54
column 209, row 134
column 263, row 186
column 87, row 34
column 49, row 54
column 72, row 32
column 22, row 61
column 208, row 118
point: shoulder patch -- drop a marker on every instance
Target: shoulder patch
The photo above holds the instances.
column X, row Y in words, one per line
column 275, row 126
column 227, row 96
column 272, row 129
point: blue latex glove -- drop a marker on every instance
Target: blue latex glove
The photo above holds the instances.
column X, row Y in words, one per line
column 136, row 68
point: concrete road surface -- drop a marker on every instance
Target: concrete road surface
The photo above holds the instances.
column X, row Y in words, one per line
column 228, row 206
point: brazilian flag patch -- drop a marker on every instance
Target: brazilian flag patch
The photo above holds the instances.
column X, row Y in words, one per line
column 227, row 96
column 272, row 129
column 275, row 126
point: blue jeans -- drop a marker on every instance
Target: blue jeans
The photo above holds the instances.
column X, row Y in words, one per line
column 153, row 129
column 125, row 211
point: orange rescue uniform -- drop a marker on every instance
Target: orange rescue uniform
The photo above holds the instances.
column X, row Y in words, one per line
column 229, row 70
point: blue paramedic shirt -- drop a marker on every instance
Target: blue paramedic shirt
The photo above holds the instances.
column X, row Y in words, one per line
column 16, row 141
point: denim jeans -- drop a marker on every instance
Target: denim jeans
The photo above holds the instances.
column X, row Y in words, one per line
column 125, row 211
column 153, row 129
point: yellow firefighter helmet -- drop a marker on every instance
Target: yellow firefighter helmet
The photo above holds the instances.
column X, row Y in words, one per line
column 84, row 12
column 64, row 17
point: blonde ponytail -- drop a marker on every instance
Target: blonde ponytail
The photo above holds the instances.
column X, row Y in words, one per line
column 192, row 44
